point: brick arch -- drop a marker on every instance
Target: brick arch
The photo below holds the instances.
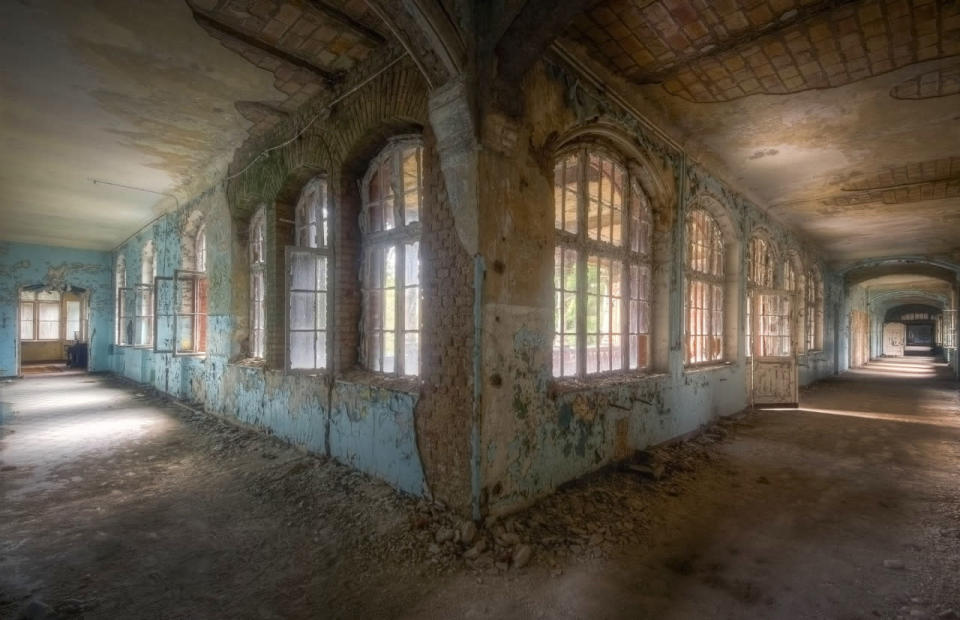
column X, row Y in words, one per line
column 396, row 97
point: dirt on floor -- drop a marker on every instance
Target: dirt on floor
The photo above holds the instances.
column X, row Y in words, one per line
column 115, row 503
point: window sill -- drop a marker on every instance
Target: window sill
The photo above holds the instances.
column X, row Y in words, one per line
column 250, row 362
column 569, row 385
column 410, row 385
column 706, row 367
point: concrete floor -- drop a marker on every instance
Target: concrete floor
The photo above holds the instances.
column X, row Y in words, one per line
column 117, row 504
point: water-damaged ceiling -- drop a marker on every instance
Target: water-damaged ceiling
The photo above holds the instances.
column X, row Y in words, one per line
column 152, row 94
column 842, row 118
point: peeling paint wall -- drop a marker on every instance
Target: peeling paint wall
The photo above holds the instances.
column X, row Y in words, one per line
column 537, row 432
column 24, row 264
column 406, row 432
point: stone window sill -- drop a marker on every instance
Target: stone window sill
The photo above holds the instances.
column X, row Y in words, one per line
column 708, row 367
column 410, row 385
column 569, row 385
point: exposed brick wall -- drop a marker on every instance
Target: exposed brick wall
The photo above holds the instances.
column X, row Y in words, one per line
column 347, row 281
column 444, row 411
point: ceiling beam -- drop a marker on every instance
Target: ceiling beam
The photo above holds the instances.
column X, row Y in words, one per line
column 332, row 13
column 205, row 20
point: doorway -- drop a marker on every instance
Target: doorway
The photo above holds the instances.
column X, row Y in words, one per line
column 53, row 330
column 775, row 376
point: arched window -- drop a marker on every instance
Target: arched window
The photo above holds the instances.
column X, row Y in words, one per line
column 122, row 314
column 200, row 243
column 309, row 265
column 390, row 223
column 601, row 266
column 143, row 319
column 703, row 307
column 759, row 275
column 258, row 264
column 761, row 263
column 790, row 281
column 814, row 310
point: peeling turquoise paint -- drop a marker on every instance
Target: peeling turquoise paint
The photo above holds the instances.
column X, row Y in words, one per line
column 368, row 427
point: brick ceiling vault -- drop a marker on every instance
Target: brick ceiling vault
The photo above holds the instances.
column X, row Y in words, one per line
column 722, row 50
column 837, row 116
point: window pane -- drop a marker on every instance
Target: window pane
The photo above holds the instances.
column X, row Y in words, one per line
column 185, row 333
column 48, row 296
column 26, row 321
column 48, row 330
column 411, row 353
column 303, row 271
column 301, row 350
column 321, row 353
column 28, row 295
column 303, row 313
column 411, row 319
column 49, row 312
column 389, row 353
column 594, row 192
column 411, row 256
column 411, row 185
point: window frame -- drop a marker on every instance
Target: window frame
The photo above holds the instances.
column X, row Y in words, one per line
column 323, row 238
column 35, row 304
column 120, row 283
column 399, row 237
column 712, row 282
column 584, row 247
column 761, row 274
column 257, row 248
column 813, row 306
column 143, row 314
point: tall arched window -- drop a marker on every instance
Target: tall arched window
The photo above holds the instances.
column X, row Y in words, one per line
column 814, row 310
column 144, row 295
column 122, row 313
column 390, row 223
column 790, row 280
column 200, row 243
column 601, row 266
column 309, row 265
column 258, row 264
column 704, row 289
column 759, row 275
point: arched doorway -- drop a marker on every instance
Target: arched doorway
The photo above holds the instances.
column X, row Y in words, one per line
column 53, row 330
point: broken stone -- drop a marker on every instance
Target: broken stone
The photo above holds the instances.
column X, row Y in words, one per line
column 522, row 556
column 508, row 539
column 476, row 550
column 444, row 534
column 949, row 614
column 893, row 564
column 433, row 549
column 468, row 531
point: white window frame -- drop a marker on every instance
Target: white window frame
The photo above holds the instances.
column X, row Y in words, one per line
column 34, row 312
column 258, row 263
column 634, row 253
column 402, row 237
column 711, row 279
column 813, row 305
column 313, row 241
column 120, row 283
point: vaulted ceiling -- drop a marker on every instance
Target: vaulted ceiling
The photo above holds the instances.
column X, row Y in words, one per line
column 152, row 98
column 842, row 118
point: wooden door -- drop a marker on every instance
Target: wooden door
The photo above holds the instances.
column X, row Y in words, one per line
column 774, row 361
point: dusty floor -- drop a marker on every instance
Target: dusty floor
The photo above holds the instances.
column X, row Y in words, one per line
column 115, row 504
